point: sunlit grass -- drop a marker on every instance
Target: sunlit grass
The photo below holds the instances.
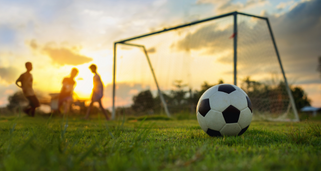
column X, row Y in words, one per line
column 69, row 143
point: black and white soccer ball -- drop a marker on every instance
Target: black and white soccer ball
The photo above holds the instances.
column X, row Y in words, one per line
column 224, row 109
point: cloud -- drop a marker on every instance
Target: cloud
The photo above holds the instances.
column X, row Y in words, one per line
column 125, row 92
column 283, row 5
column 9, row 74
column 33, row 44
column 301, row 23
column 65, row 56
column 61, row 55
column 229, row 5
column 208, row 37
column 254, row 46
column 151, row 50
column 297, row 34
column 299, row 38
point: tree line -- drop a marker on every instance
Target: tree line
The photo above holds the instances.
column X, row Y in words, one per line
column 265, row 97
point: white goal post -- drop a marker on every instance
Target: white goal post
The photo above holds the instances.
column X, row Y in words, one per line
column 239, row 51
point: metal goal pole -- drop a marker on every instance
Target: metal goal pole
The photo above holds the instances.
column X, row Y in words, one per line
column 283, row 73
column 159, row 91
column 153, row 73
column 235, row 48
column 113, row 113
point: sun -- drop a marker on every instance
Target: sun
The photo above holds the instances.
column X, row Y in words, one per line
column 83, row 89
column 84, row 84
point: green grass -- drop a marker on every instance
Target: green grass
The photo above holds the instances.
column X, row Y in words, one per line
column 44, row 143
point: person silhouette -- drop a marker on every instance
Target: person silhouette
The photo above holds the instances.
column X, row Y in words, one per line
column 26, row 80
column 97, row 92
column 65, row 96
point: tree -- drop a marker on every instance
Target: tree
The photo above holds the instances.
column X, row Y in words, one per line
column 158, row 105
column 300, row 97
column 17, row 101
column 143, row 102
column 178, row 95
column 319, row 66
column 250, row 85
column 272, row 93
column 206, row 86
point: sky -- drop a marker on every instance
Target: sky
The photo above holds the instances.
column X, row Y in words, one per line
column 59, row 35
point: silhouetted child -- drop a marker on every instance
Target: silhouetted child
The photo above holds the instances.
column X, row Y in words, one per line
column 66, row 92
column 25, row 80
column 97, row 92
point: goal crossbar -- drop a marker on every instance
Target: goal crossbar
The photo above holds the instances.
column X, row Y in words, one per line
column 189, row 24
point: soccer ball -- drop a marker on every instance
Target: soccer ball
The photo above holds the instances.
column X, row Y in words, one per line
column 224, row 109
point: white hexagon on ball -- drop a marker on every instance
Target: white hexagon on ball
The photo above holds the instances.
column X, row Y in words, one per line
column 224, row 109
column 245, row 118
column 236, row 99
column 219, row 101
column 214, row 120
column 231, row 129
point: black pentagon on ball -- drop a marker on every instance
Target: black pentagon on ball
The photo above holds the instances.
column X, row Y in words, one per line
column 249, row 104
column 243, row 130
column 226, row 88
column 213, row 133
column 231, row 114
column 204, row 107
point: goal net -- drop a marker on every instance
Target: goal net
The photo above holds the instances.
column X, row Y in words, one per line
column 165, row 72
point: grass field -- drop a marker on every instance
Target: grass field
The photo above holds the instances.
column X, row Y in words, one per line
column 45, row 143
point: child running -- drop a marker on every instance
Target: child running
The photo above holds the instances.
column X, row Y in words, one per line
column 26, row 80
column 65, row 95
column 97, row 92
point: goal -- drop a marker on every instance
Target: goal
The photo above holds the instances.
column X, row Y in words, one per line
column 165, row 72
